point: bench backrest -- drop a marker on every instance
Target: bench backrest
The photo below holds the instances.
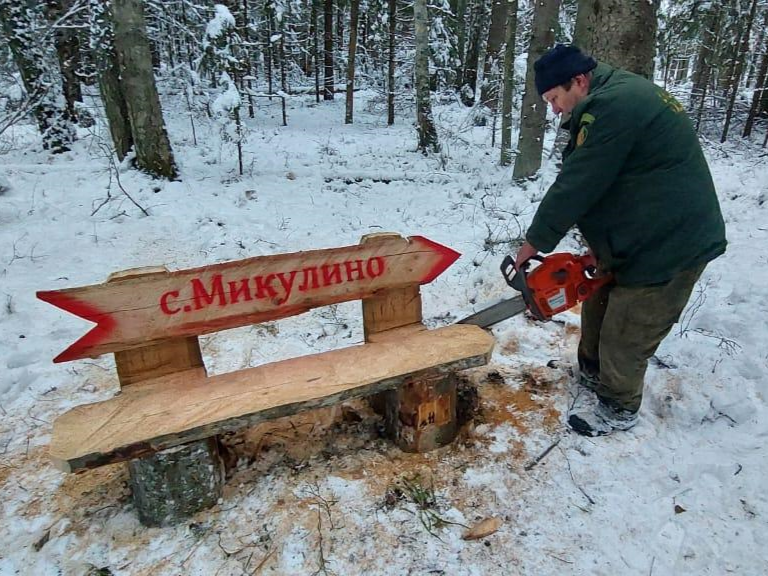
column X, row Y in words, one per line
column 163, row 312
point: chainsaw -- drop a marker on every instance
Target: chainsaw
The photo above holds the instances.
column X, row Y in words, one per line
column 558, row 283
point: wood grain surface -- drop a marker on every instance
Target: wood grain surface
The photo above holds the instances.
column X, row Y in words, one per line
column 186, row 406
column 134, row 310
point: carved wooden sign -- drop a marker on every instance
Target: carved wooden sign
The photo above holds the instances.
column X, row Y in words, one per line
column 141, row 309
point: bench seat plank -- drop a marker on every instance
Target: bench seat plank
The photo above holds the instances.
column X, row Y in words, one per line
column 179, row 408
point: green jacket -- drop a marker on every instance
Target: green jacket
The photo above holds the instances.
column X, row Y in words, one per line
column 635, row 182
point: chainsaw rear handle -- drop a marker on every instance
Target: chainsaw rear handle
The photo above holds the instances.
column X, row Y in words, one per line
column 509, row 270
column 517, row 278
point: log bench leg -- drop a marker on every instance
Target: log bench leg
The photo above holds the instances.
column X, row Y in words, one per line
column 171, row 485
column 421, row 414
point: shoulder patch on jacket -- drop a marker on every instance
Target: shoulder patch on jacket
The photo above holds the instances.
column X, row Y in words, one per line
column 585, row 120
column 581, row 137
column 671, row 102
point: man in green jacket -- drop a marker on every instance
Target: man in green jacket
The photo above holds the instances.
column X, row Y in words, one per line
column 635, row 182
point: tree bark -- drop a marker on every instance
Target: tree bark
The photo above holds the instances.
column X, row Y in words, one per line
column 353, row 23
column 489, row 91
column 619, row 33
column 283, row 72
column 68, row 51
column 469, row 75
column 153, row 149
column 315, row 49
column 582, row 29
column 172, row 485
column 340, row 10
column 116, row 110
column 421, row 414
column 708, row 78
column 391, row 63
column 16, row 17
column 426, row 125
column 759, row 92
column 269, row 52
column 757, row 95
column 738, row 70
column 245, row 34
column 459, row 9
column 530, row 143
column 754, row 59
column 328, row 85
column 705, row 57
column 108, row 72
column 728, row 49
column 509, row 83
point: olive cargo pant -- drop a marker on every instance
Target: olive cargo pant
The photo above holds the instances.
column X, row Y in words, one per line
column 621, row 328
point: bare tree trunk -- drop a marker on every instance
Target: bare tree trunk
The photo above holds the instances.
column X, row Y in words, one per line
column 153, row 149
column 732, row 34
column 426, row 125
column 246, row 35
column 68, row 52
column 619, row 33
column 116, row 110
column 704, row 59
column 365, row 32
column 509, row 83
column 187, row 43
column 108, row 72
column 353, row 23
column 708, row 77
column 459, row 9
column 391, row 63
column 315, row 50
column 530, row 143
column 754, row 60
column 582, row 29
column 328, row 86
column 469, row 75
column 16, row 17
column 738, row 69
column 489, row 91
column 757, row 95
column 283, row 73
column 340, row 10
column 268, row 53
column 239, row 133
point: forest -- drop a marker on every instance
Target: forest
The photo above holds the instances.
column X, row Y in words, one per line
column 222, row 59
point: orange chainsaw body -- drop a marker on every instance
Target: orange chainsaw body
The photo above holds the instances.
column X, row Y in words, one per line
column 558, row 283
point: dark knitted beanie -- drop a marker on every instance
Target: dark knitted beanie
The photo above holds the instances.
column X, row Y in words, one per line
column 560, row 64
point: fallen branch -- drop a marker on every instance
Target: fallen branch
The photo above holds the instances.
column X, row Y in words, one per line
column 540, row 457
column 587, row 496
column 260, row 565
column 323, row 568
column 112, row 166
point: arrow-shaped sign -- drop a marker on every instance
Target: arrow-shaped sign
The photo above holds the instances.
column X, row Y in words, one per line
column 135, row 311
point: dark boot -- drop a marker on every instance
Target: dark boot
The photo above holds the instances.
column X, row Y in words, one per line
column 599, row 417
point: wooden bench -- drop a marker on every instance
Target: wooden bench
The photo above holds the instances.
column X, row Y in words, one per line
column 168, row 413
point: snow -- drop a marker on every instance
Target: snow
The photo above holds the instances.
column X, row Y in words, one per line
column 682, row 493
column 228, row 100
column 222, row 20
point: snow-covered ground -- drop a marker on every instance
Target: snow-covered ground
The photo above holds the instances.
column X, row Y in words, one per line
column 323, row 493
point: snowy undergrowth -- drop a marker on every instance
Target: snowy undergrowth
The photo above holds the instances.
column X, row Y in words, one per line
column 683, row 493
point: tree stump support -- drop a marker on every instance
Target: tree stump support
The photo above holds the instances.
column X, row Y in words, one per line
column 420, row 415
column 173, row 484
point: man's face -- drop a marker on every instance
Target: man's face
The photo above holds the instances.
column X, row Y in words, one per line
column 564, row 101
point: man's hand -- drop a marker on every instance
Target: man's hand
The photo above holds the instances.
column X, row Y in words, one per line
column 526, row 252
